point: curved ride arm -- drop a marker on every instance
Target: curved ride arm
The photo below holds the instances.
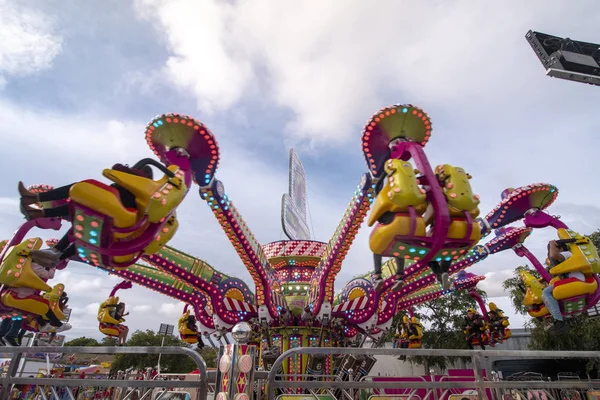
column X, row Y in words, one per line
column 405, row 151
column 475, row 295
column 387, row 304
column 322, row 282
column 410, row 293
column 122, row 285
column 523, row 251
column 470, row 258
column 268, row 290
column 517, row 204
column 541, row 219
column 168, row 285
column 200, row 276
column 421, row 296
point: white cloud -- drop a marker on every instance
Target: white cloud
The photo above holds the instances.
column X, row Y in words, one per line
column 171, row 309
column 29, row 42
column 89, row 136
column 91, row 309
column 217, row 75
column 141, row 308
column 329, row 64
column 76, row 283
column 493, row 282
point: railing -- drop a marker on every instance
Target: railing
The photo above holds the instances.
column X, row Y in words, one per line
column 316, row 385
column 11, row 379
column 478, row 357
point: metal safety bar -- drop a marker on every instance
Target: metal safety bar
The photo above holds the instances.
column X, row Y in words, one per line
column 10, row 379
column 477, row 358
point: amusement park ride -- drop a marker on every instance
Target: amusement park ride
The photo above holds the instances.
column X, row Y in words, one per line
column 424, row 219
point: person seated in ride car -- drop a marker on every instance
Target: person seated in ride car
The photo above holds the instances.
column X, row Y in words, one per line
column 24, row 292
column 64, row 249
column 474, row 326
column 496, row 321
column 118, row 313
column 556, row 255
column 9, row 329
column 191, row 325
column 440, row 269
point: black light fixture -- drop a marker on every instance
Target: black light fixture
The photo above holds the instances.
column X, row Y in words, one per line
column 567, row 59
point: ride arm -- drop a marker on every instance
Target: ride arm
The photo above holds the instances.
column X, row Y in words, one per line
column 168, row 285
column 321, row 285
column 199, row 275
column 268, row 291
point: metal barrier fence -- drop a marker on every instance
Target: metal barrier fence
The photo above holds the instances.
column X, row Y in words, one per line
column 11, row 379
column 477, row 357
column 529, row 387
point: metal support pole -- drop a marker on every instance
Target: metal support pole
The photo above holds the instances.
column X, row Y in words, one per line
column 69, row 393
column 10, row 373
column 481, row 391
column 54, row 392
column 432, row 377
column 162, row 343
column 48, row 365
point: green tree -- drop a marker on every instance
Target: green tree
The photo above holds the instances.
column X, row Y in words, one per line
column 444, row 318
column 170, row 363
column 210, row 356
column 108, row 341
column 82, row 341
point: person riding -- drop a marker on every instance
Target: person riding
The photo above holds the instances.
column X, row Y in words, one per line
column 474, row 326
column 62, row 304
column 23, row 292
column 440, row 269
column 9, row 331
column 556, row 255
column 64, row 250
column 118, row 313
column 496, row 322
column 191, row 325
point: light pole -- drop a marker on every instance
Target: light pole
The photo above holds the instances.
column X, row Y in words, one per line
column 164, row 330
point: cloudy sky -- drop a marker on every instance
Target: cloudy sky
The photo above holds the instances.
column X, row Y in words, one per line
column 79, row 80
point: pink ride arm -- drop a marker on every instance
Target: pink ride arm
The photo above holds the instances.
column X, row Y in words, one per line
column 198, row 277
column 540, row 219
column 122, row 285
column 435, row 196
column 523, row 251
column 473, row 293
column 166, row 284
column 268, row 290
column 321, row 285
